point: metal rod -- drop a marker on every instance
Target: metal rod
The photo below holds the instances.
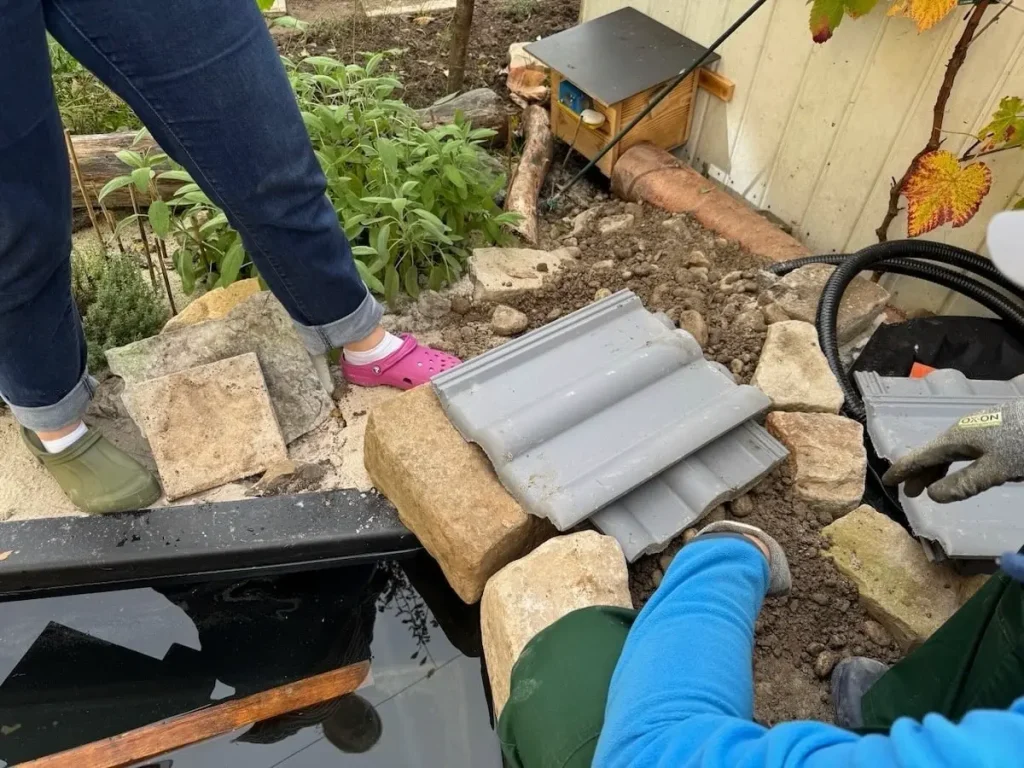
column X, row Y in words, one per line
column 656, row 100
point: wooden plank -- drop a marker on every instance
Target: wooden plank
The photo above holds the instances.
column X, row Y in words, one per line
column 770, row 103
column 875, row 120
column 719, row 86
column 834, row 73
column 154, row 740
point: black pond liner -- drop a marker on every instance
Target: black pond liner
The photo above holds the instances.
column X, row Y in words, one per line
column 76, row 669
column 225, row 540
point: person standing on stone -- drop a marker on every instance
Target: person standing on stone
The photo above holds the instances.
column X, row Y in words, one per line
column 205, row 78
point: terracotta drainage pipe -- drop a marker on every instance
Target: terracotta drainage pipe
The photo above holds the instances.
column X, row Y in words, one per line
column 652, row 175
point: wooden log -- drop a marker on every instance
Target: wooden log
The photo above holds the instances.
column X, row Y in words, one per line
column 482, row 107
column 532, row 170
column 157, row 739
column 97, row 153
column 97, row 160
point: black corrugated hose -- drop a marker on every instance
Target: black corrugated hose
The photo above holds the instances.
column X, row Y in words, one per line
column 913, row 258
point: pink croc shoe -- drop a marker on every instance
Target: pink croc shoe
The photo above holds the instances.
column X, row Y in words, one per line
column 409, row 366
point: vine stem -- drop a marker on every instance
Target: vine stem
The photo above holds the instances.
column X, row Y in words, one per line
column 956, row 61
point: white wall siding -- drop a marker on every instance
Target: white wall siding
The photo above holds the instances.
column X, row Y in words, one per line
column 816, row 133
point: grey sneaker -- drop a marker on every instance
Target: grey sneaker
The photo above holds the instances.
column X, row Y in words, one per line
column 780, row 580
column 851, row 679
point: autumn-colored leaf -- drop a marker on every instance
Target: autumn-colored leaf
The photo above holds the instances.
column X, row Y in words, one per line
column 925, row 13
column 1006, row 126
column 826, row 15
column 941, row 191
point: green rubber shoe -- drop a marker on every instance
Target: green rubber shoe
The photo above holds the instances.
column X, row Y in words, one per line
column 96, row 475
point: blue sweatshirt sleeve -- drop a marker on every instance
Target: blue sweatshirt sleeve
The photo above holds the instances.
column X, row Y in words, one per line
column 682, row 692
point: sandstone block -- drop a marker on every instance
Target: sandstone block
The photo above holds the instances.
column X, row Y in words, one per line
column 794, row 373
column 562, row 575
column 446, row 491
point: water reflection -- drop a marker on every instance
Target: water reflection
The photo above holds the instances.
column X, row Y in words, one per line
column 76, row 669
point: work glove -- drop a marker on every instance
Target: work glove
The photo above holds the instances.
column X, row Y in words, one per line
column 993, row 440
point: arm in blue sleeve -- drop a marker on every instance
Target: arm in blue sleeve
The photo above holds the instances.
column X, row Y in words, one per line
column 682, row 692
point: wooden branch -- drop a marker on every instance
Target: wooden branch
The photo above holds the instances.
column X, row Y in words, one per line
column 938, row 113
column 482, row 107
column 462, row 23
column 717, row 85
column 98, row 163
column 533, row 169
column 157, row 739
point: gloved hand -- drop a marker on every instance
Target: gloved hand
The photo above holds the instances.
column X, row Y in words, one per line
column 993, row 438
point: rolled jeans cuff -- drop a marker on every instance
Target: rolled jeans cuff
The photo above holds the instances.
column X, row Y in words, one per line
column 353, row 327
column 50, row 418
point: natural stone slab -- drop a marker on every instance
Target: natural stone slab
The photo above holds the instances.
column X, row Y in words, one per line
column 793, row 371
column 503, row 273
column 214, row 305
column 798, row 293
column 210, row 425
column 826, row 457
column 908, row 595
column 560, row 576
column 446, row 491
column 259, row 324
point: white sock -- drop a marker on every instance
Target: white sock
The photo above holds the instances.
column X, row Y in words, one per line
column 390, row 343
column 63, row 443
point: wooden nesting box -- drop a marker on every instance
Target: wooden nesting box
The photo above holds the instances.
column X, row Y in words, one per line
column 616, row 65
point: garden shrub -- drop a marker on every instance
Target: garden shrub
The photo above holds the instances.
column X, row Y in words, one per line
column 412, row 201
column 117, row 304
column 86, row 105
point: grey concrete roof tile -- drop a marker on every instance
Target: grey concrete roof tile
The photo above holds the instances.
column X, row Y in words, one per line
column 580, row 412
column 649, row 517
column 904, row 413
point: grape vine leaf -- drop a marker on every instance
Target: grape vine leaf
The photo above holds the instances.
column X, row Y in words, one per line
column 826, row 15
column 925, row 13
column 1006, row 128
column 941, row 191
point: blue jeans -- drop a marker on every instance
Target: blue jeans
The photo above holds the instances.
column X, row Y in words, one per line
column 205, row 78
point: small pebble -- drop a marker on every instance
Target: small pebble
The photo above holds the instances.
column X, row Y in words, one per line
column 824, row 664
column 542, row 266
column 600, row 266
column 742, row 506
column 843, row 605
column 836, row 642
column 876, row 633
column 554, row 314
column 689, row 535
column 656, row 577
column 626, row 274
column 736, row 366
column 820, row 598
column 815, row 648
column 665, row 561
column 602, row 293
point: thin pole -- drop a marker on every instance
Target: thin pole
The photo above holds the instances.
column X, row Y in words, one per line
column 657, row 100
column 142, row 234
column 163, row 272
column 81, row 187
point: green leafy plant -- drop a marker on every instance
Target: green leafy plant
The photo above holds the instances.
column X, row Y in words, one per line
column 519, row 10
column 411, row 201
column 86, row 105
column 117, row 305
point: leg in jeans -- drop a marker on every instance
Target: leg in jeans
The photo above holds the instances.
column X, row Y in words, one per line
column 204, row 77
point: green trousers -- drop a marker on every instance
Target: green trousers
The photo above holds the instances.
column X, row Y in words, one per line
column 559, row 685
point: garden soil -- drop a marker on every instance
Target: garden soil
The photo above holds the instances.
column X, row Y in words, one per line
column 421, row 40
